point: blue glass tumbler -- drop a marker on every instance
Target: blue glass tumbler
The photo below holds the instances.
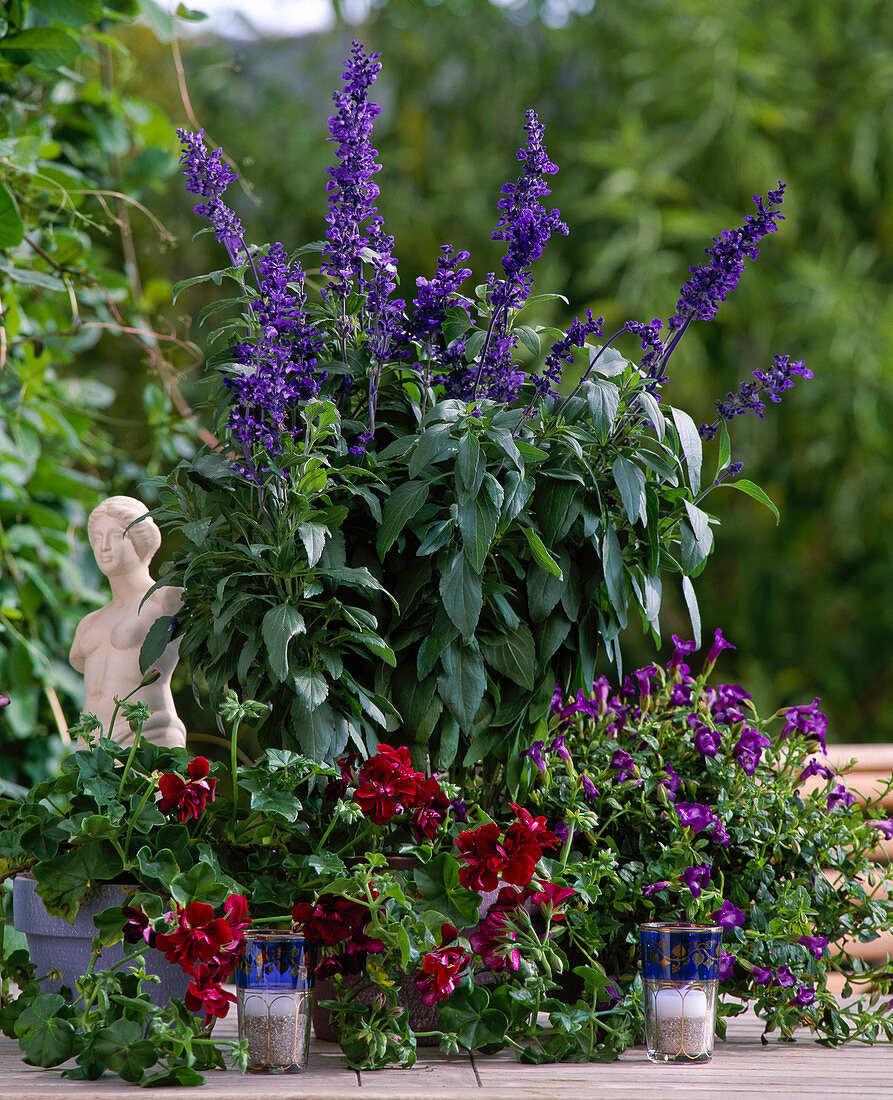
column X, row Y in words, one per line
column 680, row 966
column 274, row 981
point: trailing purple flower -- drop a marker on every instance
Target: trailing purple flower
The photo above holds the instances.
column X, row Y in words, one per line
column 696, row 878
column 728, row 915
column 840, row 796
column 816, row 767
column 535, row 755
column 748, row 749
column 808, row 720
column 654, row 888
column 624, row 765
column 719, row 644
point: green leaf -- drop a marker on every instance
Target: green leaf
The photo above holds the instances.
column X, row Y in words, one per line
column 690, row 442
column 65, row 884
column 73, row 13
column 649, row 406
column 612, row 559
column 316, row 731
column 558, row 503
column 691, row 602
column 477, row 523
column 45, row 47
column 398, row 509
column 529, row 339
column 541, row 555
column 630, row 481
column 460, row 591
column 279, row 626
column 121, row 1047
column 514, row 656
column 438, row 882
column 157, row 639
column 12, row 228
column 725, row 449
column 312, row 685
column 433, row 445
column 157, row 867
column 551, row 637
column 754, row 491
column 696, row 538
column 606, row 361
column 462, row 684
column 518, row 490
column 46, row 1039
column 313, row 536
column 442, row 633
column 603, row 399
column 199, row 883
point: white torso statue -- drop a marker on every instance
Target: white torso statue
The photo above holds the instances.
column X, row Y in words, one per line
column 107, row 642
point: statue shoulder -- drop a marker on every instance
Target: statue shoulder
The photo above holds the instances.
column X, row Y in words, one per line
column 165, row 600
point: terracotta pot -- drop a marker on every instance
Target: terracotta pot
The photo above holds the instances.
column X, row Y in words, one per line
column 54, row 944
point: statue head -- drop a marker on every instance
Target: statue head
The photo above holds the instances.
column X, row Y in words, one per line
column 118, row 550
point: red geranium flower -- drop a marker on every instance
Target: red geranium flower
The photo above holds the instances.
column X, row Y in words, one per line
column 331, row 920
column 549, row 897
column 481, row 851
column 200, row 937
column 189, row 799
column 337, row 788
column 387, row 784
column 205, row 992
column 441, row 973
column 542, row 834
column 431, row 808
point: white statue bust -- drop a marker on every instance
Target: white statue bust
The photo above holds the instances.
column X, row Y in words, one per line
column 107, row 642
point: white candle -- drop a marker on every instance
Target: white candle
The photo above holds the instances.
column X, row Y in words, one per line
column 682, row 1001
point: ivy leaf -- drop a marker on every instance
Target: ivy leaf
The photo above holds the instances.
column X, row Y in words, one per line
column 398, row 509
column 279, row 626
column 460, row 591
column 45, row 1038
column 122, row 1048
column 157, row 866
column 514, row 656
column 63, row 886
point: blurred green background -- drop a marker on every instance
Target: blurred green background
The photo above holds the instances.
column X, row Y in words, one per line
column 664, row 119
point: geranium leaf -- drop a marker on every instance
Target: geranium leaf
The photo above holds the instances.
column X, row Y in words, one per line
column 46, row 1038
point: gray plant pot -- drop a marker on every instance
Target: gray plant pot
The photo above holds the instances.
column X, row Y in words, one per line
column 54, row 944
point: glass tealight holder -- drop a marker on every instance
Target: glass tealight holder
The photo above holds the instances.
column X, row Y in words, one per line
column 273, row 991
column 680, row 965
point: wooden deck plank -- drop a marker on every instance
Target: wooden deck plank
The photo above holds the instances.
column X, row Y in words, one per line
column 740, row 1068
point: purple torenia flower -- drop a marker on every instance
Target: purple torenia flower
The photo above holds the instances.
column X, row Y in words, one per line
column 840, row 796
column 696, row 878
column 804, row 996
column 784, row 978
column 672, row 782
column 885, row 828
column 680, row 696
column 815, row 944
column 728, row 915
column 719, row 644
column 458, row 810
column 654, row 888
column 639, row 683
column 816, row 767
column 749, row 748
column 558, row 747
column 352, row 190
column 624, row 764
column 694, row 815
column 590, row 791
column 725, row 703
column 535, row 753
column 710, row 284
column 209, row 175
column 561, row 829
column 761, row 975
column 808, row 720
column 726, row 966
column 707, row 740
column 681, row 650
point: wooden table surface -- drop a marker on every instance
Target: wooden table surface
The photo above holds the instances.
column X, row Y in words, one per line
column 740, row 1067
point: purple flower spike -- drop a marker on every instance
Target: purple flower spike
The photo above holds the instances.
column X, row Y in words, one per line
column 209, row 175
column 728, row 916
column 352, row 190
column 719, row 644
